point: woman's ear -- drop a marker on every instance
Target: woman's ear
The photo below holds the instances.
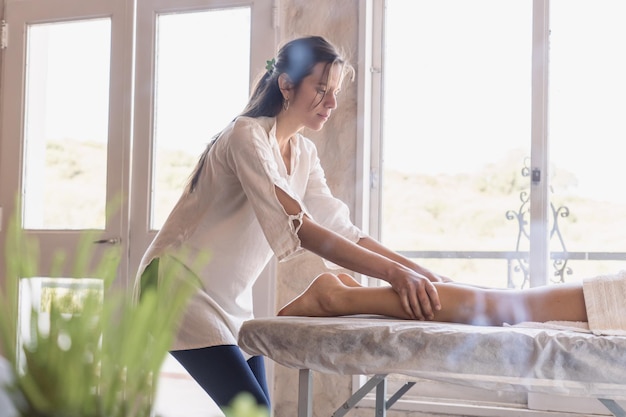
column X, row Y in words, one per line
column 285, row 85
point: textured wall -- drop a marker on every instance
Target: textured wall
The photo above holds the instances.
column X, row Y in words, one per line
column 336, row 143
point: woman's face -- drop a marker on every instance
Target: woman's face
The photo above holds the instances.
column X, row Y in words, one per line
column 316, row 98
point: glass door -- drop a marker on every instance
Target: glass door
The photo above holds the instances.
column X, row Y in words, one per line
column 72, row 115
column 196, row 63
column 65, row 133
column 90, row 86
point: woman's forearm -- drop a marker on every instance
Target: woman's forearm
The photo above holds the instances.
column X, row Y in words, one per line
column 337, row 249
column 375, row 246
column 341, row 251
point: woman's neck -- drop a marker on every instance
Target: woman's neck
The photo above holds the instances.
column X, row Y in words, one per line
column 285, row 130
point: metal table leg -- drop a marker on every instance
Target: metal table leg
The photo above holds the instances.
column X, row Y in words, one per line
column 613, row 407
column 305, row 393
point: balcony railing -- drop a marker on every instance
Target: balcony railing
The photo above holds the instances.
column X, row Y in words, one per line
column 517, row 261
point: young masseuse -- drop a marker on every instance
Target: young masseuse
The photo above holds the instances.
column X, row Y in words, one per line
column 259, row 191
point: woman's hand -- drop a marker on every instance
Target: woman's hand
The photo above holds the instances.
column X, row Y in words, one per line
column 418, row 295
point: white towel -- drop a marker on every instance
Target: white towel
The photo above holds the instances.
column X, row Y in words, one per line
column 605, row 298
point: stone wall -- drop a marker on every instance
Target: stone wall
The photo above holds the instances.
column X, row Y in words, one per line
column 336, row 21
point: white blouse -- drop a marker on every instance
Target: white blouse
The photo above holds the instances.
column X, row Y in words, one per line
column 235, row 218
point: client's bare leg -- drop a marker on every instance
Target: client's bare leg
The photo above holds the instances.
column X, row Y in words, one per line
column 464, row 304
column 318, row 300
column 331, row 295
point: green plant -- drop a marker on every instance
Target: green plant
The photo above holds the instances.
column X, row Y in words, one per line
column 100, row 352
column 245, row 405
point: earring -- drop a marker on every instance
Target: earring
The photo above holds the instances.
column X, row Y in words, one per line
column 286, row 104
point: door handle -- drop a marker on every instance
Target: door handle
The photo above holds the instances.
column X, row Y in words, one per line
column 112, row 241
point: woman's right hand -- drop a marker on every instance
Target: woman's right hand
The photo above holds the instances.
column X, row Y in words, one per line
column 418, row 295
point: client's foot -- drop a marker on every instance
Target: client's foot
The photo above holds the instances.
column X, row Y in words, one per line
column 315, row 301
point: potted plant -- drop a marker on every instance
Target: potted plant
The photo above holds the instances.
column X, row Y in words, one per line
column 87, row 348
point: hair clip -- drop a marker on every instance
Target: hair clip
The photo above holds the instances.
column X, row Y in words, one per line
column 269, row 65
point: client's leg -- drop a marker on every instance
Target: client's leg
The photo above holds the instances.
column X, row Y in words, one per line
column 482, row 306
column 330, row 295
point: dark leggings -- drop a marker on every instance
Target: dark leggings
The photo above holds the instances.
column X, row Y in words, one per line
column 223, row 373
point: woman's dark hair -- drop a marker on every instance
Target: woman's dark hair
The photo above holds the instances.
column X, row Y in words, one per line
column 296, row 59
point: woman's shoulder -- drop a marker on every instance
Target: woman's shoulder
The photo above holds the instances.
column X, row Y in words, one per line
column 246, row 133
column 246, row 122
column 244, row 128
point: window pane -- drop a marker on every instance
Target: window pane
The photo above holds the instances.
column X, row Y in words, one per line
column 202, row 83
column 587, row 131
column 66, row 125
column 457, row 85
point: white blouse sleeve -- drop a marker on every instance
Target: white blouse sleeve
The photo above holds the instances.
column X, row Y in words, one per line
column 251, row 157
column 325, row 208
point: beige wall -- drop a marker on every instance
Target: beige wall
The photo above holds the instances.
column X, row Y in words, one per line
column 335, row 20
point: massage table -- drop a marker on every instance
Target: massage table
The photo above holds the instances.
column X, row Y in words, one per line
column 549, row 360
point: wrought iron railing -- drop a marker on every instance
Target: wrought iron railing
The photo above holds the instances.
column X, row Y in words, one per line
column 522, row 215
column 513, row 258
column 517, row 260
